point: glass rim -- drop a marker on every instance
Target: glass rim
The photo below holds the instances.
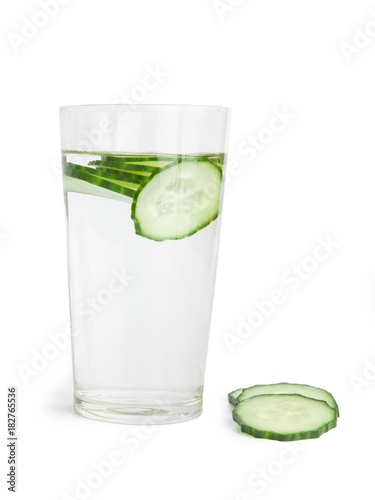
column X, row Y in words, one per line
column 102, row 107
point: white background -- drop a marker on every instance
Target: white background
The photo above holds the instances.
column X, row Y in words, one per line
column 314, row 179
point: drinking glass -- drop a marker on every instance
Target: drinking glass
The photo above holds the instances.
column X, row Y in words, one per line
column 143, row 188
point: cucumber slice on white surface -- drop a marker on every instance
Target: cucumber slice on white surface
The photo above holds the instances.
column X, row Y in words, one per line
column 232, row 396
column 284, row 417
column 285, row 388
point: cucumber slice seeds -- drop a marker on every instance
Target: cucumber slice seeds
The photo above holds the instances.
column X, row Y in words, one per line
column 284, row 412
column 172, row 196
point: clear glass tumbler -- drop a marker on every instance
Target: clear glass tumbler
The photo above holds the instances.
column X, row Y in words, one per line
column 143, row 188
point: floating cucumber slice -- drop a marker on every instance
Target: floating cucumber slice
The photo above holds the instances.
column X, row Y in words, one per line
column 284, row 417
column 173, row 196
column 232, row 396
column 178, row 201
column 149, row 159
column 285, row 388
column 124, row 179
column 158, row 161
column 76, row 185
column 140, row 177
column 130, row 167
column 122, row 175
column 91, row 176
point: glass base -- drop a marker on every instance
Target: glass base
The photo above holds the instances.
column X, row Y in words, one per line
column 138, row 407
